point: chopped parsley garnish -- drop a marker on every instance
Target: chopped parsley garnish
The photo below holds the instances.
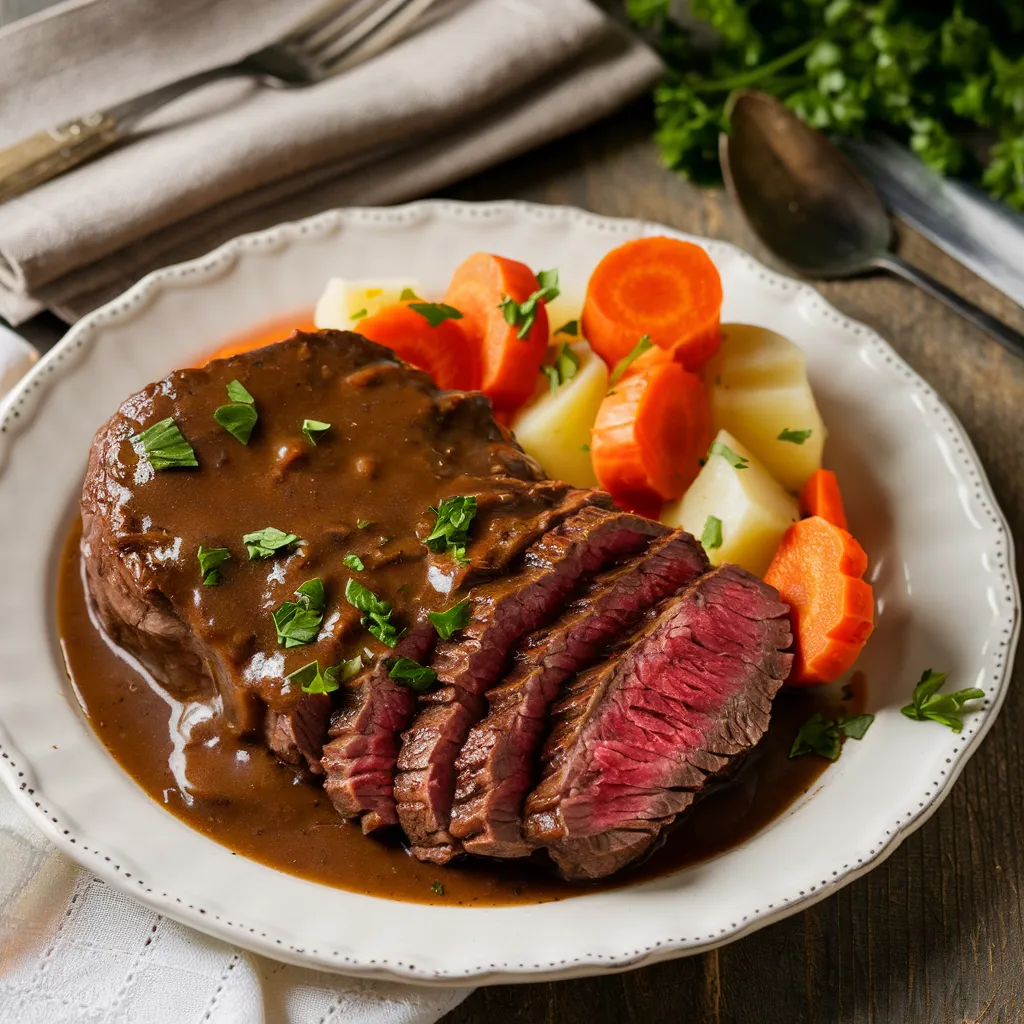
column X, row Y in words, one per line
column 238, row 417
column 311, row 681
column 824, row 736
column 354, row 562
column 794, row 436
column 165, row 446
column 298, row 622
column 314, row 430
column 451, row 621
column 570, row 327
column 359, row 314
column 209, row 560
column 945, row 708
column 451, row 531
column 414, row 675
column 711, row 537
column 346, row 670
column 362, row 524
column 563, row 368
column 437, row 888
column 584, row 447
column 435, row 313
column 376, row 613
column 523, row 315
column 734, row 460
column 626, row 361
column 408, row 295
column 267, row 542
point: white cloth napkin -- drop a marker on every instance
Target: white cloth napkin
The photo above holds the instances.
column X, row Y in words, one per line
column 491, row 79
column 74, row 950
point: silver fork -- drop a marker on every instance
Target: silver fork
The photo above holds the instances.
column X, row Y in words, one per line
column 336, row 36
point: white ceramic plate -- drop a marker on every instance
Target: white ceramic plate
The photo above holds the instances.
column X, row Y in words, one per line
column 941, row 564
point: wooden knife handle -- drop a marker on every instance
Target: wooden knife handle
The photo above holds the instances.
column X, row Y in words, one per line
column 44, row 155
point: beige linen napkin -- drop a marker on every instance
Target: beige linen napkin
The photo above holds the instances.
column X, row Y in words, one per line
column 489, row 80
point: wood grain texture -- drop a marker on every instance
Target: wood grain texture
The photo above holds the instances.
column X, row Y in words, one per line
column 936, row 933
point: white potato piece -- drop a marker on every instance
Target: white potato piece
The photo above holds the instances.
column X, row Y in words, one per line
column 342, row 298
column 758, row 388
column 754, row 509
column 555, row 426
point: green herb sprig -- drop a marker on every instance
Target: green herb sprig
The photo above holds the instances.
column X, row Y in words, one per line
column 523, row 315
column 209, row 561
column 451, row 529
column 734, row 460
column 451, row 621
column 411, row 673
column 435, row 313
column 239, row 416
column 376, row 618
column 563, row 368
column 268, row 542
column 165, row 446
column 627, row 361
column 824, row 736
column 314, row 430
column 794, row 436
column 928, row 705
column 298, row 622
column 711, row 536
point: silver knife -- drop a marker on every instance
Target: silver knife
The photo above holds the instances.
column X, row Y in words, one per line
column 984, row 235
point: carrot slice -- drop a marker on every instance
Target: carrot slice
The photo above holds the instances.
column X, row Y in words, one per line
column 508, row 364
column 661, row 287
column 268, row 333
column 821, row 497
column 651, row 431
column 817, row 571
column 443, row 351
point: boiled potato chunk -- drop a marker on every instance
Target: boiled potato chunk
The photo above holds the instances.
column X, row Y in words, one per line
column 754, row 509
column 555, row 426
column 344, row 303
column 758, row 388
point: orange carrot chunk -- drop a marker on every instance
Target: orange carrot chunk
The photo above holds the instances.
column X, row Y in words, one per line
column 509, row 364
column 652, row 429
column 817, row 571
column 661, row 287
column 442, row 350
column 821, row 497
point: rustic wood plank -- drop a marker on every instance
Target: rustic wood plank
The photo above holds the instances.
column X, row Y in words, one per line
column 936, row 933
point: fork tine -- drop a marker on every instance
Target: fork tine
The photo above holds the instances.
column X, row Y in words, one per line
column 356, row 47
column 350, row 29
column 319, row 18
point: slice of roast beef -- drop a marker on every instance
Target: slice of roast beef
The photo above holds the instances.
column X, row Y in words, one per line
column 496, row 767
column 359, row 758
column 396, row 446
column 503, row 612
column 635, row 738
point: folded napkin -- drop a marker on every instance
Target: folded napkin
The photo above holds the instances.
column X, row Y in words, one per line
column 73, row 950
column 489, row 80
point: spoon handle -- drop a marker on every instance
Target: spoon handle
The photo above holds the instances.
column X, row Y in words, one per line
column 1011, row 340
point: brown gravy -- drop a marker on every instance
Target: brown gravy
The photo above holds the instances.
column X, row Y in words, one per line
column 273, row 814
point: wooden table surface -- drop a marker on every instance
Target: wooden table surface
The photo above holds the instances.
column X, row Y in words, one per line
column 936, row 933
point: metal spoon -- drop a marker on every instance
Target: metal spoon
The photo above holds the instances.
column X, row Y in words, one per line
column 815, row 211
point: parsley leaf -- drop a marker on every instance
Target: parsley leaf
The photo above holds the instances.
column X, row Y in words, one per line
column 570, row 327
column 523, row 315
column 311, row 681
column 165, row 446
column 823, row 736
column 345, row 670
column 414, row 675
column 435, row 313
column 794, row 436
column 451, row 621
column 945, row 708
column 354, row 562
column 437, row 888
column 563, row 368
column 298, row 622
column 711, row 537
column 734, row 460
column 408, row 295
column 376, row 613
column 626, row 361
column 584, row 447
column 209, row 560
column 267, row 542
column 314, row 430
column 362, row 524
column 359, row 314
column 239, row 417
column 451, row 530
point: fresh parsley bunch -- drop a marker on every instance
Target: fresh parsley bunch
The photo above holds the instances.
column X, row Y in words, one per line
column 931, row 73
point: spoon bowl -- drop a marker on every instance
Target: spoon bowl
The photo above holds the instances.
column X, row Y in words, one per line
column 814, row 210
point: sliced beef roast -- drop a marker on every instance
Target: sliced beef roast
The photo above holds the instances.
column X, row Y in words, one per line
column 396, row 446
column 503, row 613
column 635, row 738
column 496, row 767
